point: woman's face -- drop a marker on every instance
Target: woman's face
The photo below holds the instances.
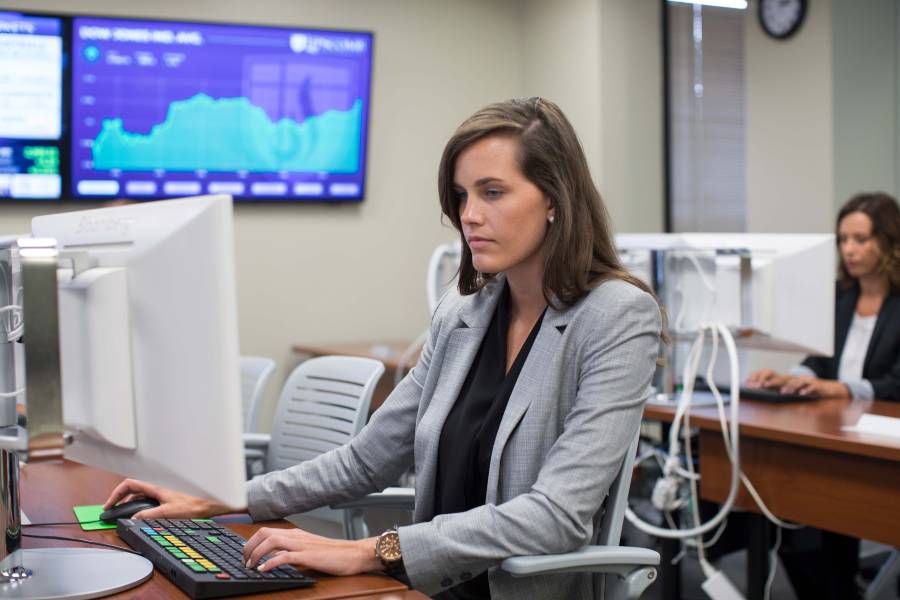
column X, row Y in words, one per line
column 503, row 215
column 859, row 248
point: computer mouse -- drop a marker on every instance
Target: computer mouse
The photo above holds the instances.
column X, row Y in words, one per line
column 126, row 510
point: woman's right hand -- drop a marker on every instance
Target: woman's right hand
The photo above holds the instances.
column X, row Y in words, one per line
column 766, row 378
column 172, row 505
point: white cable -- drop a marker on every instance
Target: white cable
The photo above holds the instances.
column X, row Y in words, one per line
column 690, row 543
column 13, row 330
column 765, row 509
column 744, row 479
column 705, row 566
column 773, row 558
column 684, row 404
column 679, row 289
column 706, row 282
column 12, row 394
column 10, row 307
column 717, row 535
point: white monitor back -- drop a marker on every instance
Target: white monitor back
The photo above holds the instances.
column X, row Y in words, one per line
column 791, row 295
column 149, row 343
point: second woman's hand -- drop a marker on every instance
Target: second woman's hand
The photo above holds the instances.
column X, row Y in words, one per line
column 814, row 387
column 309, row 551
column 172, row 505
column 766, row 378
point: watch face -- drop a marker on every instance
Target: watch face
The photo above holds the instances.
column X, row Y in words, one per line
column 389, row 546
column 781, row 18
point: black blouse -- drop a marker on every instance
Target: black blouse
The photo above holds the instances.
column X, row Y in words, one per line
column 467, row 439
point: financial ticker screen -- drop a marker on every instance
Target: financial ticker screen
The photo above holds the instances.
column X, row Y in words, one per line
column 165, row 109
column 31, row 88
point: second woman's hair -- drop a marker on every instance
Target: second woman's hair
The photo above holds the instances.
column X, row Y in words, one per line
column 580, row 250
column 882, row 210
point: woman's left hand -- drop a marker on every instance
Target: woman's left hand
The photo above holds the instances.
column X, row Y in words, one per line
column 309, row 551
column 815, row 387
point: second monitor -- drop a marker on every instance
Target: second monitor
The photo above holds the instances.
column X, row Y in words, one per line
column 149, row 343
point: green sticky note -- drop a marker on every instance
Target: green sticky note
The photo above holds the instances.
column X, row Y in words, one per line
column 86, row 514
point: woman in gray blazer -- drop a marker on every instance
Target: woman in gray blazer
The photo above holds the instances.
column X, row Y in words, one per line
column 521, row 407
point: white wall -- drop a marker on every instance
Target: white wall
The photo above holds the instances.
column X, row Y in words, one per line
column 789, row 128
column 864, row 55
column 631, row 117
column 600, row 60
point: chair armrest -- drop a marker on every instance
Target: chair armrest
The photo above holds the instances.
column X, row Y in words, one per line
column 595, row 559
column 257, row 441
column 392, row 497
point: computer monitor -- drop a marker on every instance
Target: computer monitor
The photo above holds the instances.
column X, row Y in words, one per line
column 31, row 106
column 780, row 297
column 149, row 344
column 174, row 108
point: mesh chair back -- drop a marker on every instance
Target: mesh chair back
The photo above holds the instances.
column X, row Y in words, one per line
column 323, row 404
column 255, row 373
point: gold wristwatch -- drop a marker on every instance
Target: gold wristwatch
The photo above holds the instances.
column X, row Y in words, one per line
column 387, row 549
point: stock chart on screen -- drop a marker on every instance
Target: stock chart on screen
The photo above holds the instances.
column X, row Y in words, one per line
column 162, row 109
column 31, row 90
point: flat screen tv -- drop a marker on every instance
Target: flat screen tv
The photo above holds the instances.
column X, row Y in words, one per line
column 31, row 106
column 163, row 108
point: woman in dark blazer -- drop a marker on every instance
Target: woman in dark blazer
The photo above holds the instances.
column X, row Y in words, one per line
column 865, row 365
column 866, row 362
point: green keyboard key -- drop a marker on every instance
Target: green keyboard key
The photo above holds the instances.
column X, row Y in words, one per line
column 193, row 565
column 213, row 539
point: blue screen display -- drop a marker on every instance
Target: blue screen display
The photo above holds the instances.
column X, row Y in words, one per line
column 164, row 109
column 31, row 106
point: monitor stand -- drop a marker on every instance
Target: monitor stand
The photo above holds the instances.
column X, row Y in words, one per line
column 57, row 573
column 47, row 573
column 76, row 573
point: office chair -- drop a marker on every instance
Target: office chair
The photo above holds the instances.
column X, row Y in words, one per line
column 255, row 373
column 324, row 403
column 443, row 269
column 634, row 568
column 885, row 584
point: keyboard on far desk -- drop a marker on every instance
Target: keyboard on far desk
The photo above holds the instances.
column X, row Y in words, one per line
column 767, row 395
column 203, row 558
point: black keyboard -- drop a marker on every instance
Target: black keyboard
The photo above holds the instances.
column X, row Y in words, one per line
column 767, row 395
column 203, row 558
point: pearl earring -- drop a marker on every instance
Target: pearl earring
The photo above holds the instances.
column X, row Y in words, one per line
column 551, row 218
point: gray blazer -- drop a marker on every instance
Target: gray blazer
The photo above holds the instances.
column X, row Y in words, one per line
column 575, row 407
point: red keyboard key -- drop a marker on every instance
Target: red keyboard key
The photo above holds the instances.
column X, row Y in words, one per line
column 223, row 576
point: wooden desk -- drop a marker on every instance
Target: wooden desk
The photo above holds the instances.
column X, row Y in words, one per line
column 49, row 490
column 805, row 468
column 388, row 352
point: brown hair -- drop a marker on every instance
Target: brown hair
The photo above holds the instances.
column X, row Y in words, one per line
column 580, row 253
column 882, row 210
